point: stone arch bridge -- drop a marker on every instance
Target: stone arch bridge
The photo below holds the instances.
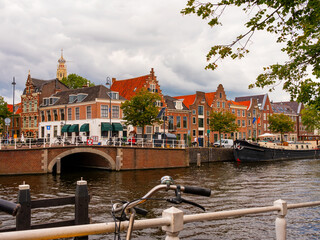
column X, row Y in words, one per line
column 48, row 160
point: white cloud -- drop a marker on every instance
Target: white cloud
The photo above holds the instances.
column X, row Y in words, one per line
column 124, row 39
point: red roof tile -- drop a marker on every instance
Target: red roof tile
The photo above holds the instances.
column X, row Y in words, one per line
column 187, row 99
column 129, row 87
column 209, row 97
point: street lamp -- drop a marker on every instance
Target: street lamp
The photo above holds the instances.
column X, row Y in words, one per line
column 13, row 86
column 108, row 83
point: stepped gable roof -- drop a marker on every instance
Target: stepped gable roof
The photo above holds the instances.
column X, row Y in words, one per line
column 284, row 107
column 38, row 84
column 170, row 103
column 93, row 93
column 187, row 99
column 129, row 87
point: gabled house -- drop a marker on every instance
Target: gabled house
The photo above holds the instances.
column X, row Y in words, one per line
column 258, row 112
column 293, row 110
column 82, row 112
column 34, row 93
column 127, row 88
column 15, row 124
column 178, row 116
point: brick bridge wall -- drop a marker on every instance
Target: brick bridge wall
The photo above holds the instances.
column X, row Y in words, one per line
column 42, row 160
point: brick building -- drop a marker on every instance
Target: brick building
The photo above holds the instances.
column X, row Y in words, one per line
column 34, row 93
column 15, row 124
column 81, row 113
column 127, row 88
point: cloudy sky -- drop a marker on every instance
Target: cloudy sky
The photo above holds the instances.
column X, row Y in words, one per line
column 124, row 39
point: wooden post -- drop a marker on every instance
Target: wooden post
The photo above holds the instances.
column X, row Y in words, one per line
column 82, row 206
column 58, row 166
column 23, row 219
column 198, row 159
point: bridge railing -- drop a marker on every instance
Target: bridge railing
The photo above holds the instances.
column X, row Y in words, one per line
column 172, row 222
column 65, row 141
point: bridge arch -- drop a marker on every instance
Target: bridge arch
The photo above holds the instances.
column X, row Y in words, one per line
column 105, row 156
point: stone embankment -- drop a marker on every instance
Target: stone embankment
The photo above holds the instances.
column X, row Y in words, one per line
column 210, row 154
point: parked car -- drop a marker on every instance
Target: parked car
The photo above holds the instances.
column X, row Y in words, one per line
column 226, row 143
column 164, row 138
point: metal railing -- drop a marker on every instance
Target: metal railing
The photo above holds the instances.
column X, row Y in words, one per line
column 65, row 141
column 172, row 222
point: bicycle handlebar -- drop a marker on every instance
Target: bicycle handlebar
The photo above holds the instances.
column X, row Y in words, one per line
column 197, row 191
column 186, row 189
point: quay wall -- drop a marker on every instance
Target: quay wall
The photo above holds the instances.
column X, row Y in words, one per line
column 42, row 160
column 210, row 154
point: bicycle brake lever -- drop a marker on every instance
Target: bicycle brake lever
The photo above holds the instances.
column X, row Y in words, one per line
column 182, row 200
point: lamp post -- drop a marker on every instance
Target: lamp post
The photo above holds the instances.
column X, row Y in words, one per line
column 108, row 83
column 13, row 90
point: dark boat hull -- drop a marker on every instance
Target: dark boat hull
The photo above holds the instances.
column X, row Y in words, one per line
column 247, row 152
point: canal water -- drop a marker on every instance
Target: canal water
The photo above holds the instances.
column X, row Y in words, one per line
column 233, row 185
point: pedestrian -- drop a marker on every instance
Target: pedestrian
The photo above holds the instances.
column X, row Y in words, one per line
column 195, row 142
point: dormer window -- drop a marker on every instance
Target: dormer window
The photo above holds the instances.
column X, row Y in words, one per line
column 45, row 101
column 53, row 100
column 114, row 95
column 72, row 98
column 178, row 105
column 81, row 97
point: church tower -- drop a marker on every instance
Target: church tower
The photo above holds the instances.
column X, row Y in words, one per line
column 62, row 68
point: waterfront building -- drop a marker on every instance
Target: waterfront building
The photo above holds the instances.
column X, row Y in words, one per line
column 177, row 119
column 83, row 113
column 127, row 88
column 34, row 93
column 15, row 124
column 293, row 110
column 240, row 111
column 259, row 108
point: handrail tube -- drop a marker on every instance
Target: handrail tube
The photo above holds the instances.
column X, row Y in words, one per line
column 226, row 214
column 9, row 207
column 81, row 230
column 99, row 228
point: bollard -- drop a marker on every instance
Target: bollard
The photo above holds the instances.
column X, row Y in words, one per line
column 176, row 225
column 281, row 224
column 198, row 159
column 82, row 200
column 23, row 219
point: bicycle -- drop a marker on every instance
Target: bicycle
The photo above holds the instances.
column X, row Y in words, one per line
column 126, row 211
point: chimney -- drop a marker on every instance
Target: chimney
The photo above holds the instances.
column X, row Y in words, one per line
column 114, row 80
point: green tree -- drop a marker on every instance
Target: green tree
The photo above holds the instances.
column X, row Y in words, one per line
column 222, row 122
column 294, row 22
column 74, row 81
column 4, row 113
column 280, row 123
column 141, row 110
column 310, row 118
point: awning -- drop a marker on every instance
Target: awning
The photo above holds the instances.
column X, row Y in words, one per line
column 74, row 128
column 117, row 127
column 106, row 127
column 84, row 127
column 65, row 128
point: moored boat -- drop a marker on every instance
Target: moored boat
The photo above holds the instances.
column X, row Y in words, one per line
column 248, row 152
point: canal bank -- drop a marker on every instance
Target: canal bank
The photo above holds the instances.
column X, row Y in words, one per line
column 54, row 159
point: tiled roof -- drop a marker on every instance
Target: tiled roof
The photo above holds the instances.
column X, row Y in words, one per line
column 209, row 97
column 283, row 107
column 17, row 108
column 128, row 88
column 187, row 99
column 295, row 106
column 38, row 84
column 94, row 92
column 247, row 98
column 245, row 103
column 170, row 103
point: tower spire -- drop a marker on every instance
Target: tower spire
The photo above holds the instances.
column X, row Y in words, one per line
column 62, row 69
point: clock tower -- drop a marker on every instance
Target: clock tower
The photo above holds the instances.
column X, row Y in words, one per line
column 62, row 68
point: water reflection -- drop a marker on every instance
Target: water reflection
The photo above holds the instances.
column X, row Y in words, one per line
column 233, row 186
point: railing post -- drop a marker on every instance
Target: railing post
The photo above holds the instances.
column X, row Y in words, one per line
column 15, row 143
column 29, row 142
column 82, row 200
column 176, row 225
column 281, row 223
column 23, row 219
